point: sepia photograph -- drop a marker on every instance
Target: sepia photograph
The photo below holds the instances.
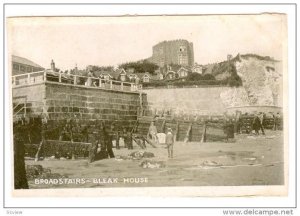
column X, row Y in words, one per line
column 182, row 101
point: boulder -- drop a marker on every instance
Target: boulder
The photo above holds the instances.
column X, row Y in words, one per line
column 141, row 154
column 146, row 164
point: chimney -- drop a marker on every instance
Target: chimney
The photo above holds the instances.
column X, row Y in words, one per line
column 52, row 65
column 76, row 69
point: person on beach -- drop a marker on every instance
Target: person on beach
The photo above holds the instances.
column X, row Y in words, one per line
column 170, row 142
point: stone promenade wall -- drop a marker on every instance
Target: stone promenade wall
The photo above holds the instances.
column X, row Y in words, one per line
column 201, row 101
column 62, row 101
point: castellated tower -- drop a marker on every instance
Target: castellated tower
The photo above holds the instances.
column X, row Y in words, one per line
column 179, row 52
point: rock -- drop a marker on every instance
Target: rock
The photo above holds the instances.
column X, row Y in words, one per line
column 152, row 164
column 32, row 171
column 37, row 171
column 141, row 154
column 211, row 163
column 148, row 155
column 122, row 158
column 250, row 159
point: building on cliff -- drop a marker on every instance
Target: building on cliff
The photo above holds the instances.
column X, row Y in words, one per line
column 22, row 65
column 179, row 52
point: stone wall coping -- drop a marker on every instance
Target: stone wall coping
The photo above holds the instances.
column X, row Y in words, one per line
column 42, row 78
column 92, row 87
column 76, row 86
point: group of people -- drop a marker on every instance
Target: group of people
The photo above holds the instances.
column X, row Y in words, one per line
column 102, row 137
column 169, row 138
column 101, row 144
column 247, row 123
column 257, row 124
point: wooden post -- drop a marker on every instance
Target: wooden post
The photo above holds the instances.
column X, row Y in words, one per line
column 139, row 142
column 111, row 85
column 150, row 142
column 135, row 127
column 163, row 126
column 14, row 80
column 45, row 76
column 25, row 108
column 177, row 131
column 141, row 104
column 28, row 78
column 43, row 142
column 203, row 138
column 59, row 77
column 73, row 145
column 122, row 87
column 188, row 134
column 100, row 83
column 75, row 80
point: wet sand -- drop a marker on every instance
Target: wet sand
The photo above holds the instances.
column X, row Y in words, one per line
column 249, row 160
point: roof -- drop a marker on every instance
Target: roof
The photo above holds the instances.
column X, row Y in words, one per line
column 113, row 74
column 170, row 71
column 182, row 68
column 24, row 61
column 197, row 66
column 141, row 75
column 120, row 70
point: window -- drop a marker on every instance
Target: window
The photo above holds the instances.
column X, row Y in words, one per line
column 22, row 68
column 123, row 77
column 182, row 60
column 146, row 79
column 29, row 69
column 181, row 48
column 15, row 66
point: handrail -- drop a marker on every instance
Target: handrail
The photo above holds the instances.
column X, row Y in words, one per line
column 24, row 107
column 25, row 74
column 20, row 111
column 74, row 78
column 18, row 105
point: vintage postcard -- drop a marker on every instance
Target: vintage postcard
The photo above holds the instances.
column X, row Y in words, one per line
column 192, row 105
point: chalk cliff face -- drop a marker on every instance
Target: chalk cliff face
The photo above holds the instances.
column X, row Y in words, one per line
column 262, row 83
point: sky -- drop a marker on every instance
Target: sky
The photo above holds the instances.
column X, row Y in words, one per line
column 104, row 41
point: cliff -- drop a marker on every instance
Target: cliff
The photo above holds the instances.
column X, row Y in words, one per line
column 261, row 79
column 262, row 82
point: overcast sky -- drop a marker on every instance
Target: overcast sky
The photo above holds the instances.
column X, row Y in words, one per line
column 115, row 40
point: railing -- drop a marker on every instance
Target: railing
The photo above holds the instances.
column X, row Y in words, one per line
column 180, row 110
column 76, row 80
column 22, row 107
column 29, row 78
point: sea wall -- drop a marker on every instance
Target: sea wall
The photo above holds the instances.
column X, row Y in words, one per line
column 60, row 101
column 209, row 101
column 201, row 100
